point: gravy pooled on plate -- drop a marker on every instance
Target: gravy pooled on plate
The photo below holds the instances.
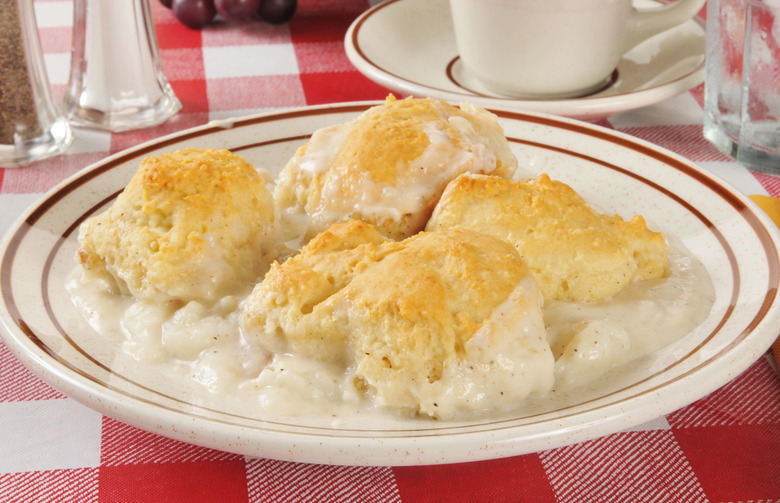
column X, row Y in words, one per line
column 372, row 313
column 440, row 323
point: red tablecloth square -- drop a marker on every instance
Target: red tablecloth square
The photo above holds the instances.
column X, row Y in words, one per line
column 523, row 478
column 340, row 86
column 739, row 462
column 219, row 481
column 331, row 7
column 171, row 34
column 192, row 94
column 308, row 28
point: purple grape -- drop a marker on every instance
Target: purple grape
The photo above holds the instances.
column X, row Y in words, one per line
column 277, row 11
column 236, row 10
column 194, row 13
column 167, row 3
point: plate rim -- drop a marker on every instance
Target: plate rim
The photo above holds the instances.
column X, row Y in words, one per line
column 58, row 376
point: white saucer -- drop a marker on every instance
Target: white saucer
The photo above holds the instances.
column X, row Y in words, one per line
column 409, row 46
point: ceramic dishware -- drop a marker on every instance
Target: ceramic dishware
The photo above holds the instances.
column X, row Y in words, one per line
column 555, row 48
column 733, row 238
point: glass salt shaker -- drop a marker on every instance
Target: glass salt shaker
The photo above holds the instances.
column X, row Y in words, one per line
column 31, row 126
column 116, row 78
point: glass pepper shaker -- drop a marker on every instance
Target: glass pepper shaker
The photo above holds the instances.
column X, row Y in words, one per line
column 116, row 78
column 31, row 125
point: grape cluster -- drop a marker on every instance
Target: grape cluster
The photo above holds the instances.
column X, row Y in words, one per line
column 198, row 13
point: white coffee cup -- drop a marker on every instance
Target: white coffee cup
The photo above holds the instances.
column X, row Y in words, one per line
column 544, row 49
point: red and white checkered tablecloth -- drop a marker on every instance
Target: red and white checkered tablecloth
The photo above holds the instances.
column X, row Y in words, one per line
column 723, row 448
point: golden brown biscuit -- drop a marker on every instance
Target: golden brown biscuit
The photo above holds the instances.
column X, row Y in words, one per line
column 440, row 323
column 574, row 252
column 191, row 225
column 389, row 165
column 282, row 312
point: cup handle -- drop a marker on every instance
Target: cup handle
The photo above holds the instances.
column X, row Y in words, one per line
column 648, row 22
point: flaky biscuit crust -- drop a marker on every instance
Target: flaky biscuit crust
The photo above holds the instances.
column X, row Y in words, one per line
column 397, row 313
column 190, row 225
column 389, row 166
column 575, row 253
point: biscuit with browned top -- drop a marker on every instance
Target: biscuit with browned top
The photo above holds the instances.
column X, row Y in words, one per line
column 389, row 166
column 575, row 253
column 414, row 320
column 193, row 224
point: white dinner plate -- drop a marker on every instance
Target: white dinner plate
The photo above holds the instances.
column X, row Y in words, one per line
column 729, row 234
column 409, row 46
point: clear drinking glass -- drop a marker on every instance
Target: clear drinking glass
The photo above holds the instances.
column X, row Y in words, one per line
column 116, row 77
column 31, row 126
column 742, row 89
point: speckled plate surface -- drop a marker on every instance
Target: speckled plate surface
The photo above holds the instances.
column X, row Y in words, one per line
column 734, row 239
column 409, row 46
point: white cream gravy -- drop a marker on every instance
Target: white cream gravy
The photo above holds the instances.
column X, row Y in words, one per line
column 198, row 352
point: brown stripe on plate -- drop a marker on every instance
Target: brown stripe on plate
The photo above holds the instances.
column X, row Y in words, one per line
column 98, row 169
column 7, row 263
